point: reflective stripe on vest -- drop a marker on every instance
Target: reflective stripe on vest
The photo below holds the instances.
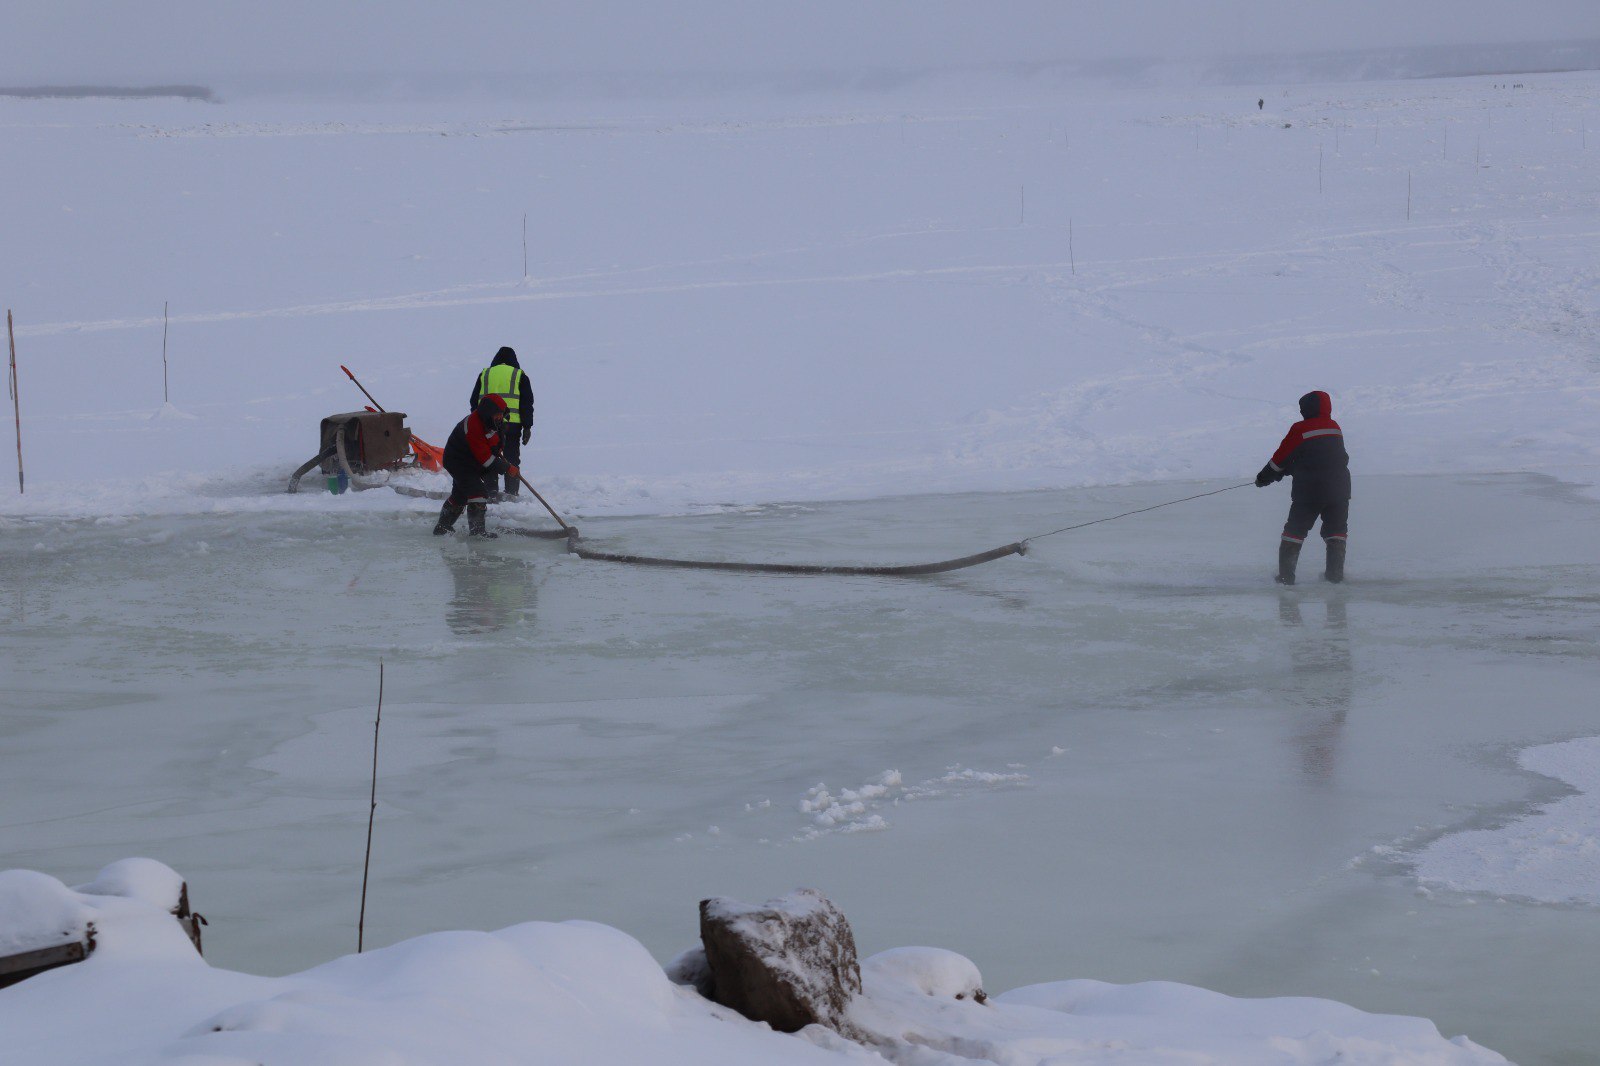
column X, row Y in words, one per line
column 505, row 382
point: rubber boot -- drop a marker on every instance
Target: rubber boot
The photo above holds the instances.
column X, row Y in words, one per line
column 1288, row 556
column 477, row 515
column 447, row 518
column 1335, row 571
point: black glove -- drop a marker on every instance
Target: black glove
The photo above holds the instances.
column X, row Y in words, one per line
column 1268, row 476
column 527, row 433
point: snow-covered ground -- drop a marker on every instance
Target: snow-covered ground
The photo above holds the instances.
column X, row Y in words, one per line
column 1122, row 757
column 579, row 992
column 811, row 298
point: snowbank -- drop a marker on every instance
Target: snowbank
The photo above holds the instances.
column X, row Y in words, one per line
column 805, row 297
column 580, row 992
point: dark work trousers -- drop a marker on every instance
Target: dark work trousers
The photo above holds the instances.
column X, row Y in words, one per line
column 1302, row 516
column 470, row 485
column 511, row 448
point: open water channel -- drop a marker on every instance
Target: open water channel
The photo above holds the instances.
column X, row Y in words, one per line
column 1125, row 756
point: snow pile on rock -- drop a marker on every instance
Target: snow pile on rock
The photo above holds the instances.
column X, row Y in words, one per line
column 37, row 911
column 931, row 971
column 144, row 880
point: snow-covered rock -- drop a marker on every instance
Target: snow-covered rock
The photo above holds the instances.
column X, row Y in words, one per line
column 790, row 962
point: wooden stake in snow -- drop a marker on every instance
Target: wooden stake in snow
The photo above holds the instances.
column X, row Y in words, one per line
column 16, row 403
column 164, row 397
column 361, row 923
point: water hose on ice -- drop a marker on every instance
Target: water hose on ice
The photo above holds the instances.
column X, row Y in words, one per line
column 1020, row 547
column 909, row 570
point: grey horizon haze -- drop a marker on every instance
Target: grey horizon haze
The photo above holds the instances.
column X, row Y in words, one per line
column 79, row 41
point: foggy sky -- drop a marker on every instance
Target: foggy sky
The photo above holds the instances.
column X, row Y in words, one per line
column 205, row 40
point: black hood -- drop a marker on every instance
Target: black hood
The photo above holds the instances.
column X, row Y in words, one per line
column 1316, row 405
column 505, row 357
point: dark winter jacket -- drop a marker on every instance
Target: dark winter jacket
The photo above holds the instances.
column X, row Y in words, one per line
column 473, row 450
column 1313, row 454
column 507, row 357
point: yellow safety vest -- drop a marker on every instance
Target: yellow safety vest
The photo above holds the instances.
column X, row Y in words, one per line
column 506, row 382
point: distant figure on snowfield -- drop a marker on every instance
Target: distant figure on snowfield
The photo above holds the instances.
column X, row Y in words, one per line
column 472, row 457
column 503, row 377
column 1313, row 454
column 1261, row 104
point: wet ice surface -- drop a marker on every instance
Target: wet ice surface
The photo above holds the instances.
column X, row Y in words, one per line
column 1125, row 756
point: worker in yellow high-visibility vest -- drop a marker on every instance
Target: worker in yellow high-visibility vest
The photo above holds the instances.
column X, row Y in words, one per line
column 504, row 377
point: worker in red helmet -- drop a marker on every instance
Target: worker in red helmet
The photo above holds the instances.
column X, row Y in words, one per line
column 472, row 457
column 1313, row 453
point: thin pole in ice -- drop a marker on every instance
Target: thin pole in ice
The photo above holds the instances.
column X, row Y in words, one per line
column 366, row 867
column 165, row 398
column 16, row 402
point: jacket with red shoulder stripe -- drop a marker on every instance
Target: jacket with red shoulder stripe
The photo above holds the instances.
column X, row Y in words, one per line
column 1313, row 453
column 473, row 449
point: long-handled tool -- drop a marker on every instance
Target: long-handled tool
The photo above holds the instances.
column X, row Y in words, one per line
column 430, row 457
column 571, row 531
column 360, row 386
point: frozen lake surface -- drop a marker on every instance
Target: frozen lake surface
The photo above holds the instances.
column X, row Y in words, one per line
column 1125, row 756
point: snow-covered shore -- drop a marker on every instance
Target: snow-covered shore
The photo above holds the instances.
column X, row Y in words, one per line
column 580, row 992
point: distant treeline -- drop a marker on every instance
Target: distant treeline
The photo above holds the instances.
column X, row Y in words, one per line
column 41, row 92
